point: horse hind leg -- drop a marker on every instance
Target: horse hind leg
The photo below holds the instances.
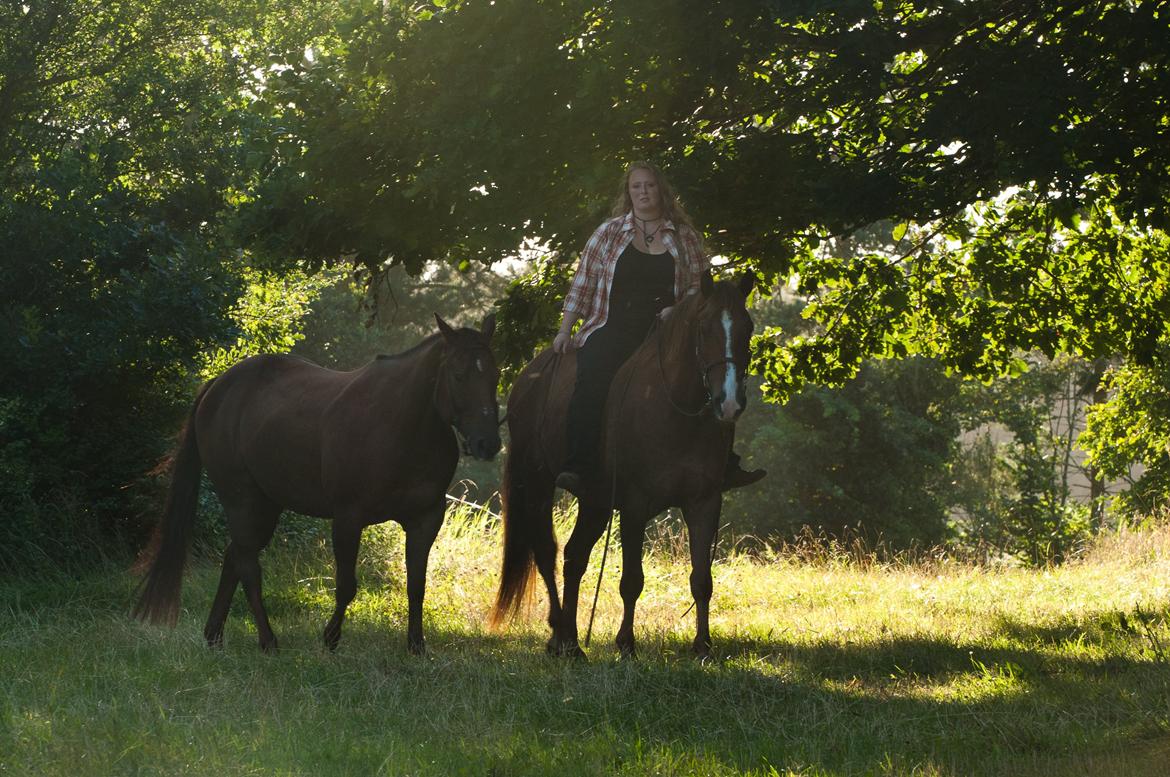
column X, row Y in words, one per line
column 592, row 517
column 538, row 495
column 251, row 526
column 229, row 578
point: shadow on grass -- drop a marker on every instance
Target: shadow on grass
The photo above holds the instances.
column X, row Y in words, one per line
column 1030, row 700
column 1082, row 695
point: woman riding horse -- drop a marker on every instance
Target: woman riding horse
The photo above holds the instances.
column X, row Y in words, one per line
column 635, row 267
column 665, row 415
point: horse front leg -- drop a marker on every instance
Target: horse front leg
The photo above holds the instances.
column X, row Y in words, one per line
column 347, row 537
column 633, row 579
column 420, row 536
column 591, row 520
column 702, row 519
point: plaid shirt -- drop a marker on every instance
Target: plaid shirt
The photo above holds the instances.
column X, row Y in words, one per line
column 588, row 297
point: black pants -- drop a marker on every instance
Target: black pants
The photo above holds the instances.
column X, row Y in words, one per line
column 598, row 361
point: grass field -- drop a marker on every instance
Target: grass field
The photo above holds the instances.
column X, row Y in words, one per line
column 825, row 666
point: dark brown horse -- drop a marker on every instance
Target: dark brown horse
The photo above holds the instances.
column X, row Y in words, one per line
column 361, row 447
column 669, row 422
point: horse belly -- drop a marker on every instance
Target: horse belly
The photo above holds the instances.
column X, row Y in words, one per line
column 288, row 476
column 674, row 473
column 379, row 481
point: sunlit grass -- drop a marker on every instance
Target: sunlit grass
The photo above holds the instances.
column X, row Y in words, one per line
column 824, row 665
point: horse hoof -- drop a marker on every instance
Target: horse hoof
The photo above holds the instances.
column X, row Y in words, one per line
column 626, row 650
column 558, row 649
column 416, row 647
column 214, row 640
column 269, row 648
column 574, row 651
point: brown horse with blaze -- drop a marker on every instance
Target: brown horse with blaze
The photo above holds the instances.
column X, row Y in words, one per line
column 668, row 428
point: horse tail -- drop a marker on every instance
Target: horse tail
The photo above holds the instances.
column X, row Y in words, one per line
column 166, row 554
column 516, row 573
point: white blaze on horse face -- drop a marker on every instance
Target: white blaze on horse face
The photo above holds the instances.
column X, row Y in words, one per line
column 479, row 364
column 730, row 381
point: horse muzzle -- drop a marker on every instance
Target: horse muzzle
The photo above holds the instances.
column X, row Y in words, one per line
column 728, row 407
column 483, row 447
column 482, row 442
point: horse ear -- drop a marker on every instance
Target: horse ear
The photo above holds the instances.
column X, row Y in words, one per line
column 706, row 285
column 444, row 328
column 489, row 325
column 747, row 282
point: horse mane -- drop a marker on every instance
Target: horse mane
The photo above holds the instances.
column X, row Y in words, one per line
column 674, row 331
column 426, row 342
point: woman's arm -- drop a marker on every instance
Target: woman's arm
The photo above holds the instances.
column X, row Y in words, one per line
column 564, row 339
column 582, row 293
column 697, row 263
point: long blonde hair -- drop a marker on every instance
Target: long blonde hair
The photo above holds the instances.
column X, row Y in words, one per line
column 671, row 207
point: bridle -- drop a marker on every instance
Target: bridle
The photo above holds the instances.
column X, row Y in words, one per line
column 456, row 411
column 705, row 371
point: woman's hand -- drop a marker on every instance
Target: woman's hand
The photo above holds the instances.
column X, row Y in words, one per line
column 665, row 313
column 562, row 342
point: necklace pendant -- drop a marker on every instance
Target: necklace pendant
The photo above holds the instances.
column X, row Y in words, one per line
column 649, row 239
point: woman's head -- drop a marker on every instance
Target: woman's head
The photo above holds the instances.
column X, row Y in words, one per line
column 643, row 179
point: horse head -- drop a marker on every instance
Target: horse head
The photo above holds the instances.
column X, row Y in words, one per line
column 465, row 392
column 723, row 343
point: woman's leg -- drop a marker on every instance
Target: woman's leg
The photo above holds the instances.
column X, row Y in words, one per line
column 597, row 362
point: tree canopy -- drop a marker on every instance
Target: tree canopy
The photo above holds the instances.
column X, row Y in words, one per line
column 1016, row 151
column 960, row 179
column 124, row 147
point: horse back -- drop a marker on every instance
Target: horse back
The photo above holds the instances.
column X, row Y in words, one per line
column 537, row 408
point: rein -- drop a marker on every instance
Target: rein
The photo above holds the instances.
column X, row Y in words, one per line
column 612, row 500
column 556, row 363
column 655, row 328
column 705, row 371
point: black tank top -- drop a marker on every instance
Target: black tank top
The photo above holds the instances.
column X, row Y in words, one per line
column 643, row 284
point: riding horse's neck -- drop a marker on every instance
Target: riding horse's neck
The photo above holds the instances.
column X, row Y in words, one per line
column 679, row 361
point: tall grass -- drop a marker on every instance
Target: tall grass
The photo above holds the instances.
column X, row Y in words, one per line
column 826, row 664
